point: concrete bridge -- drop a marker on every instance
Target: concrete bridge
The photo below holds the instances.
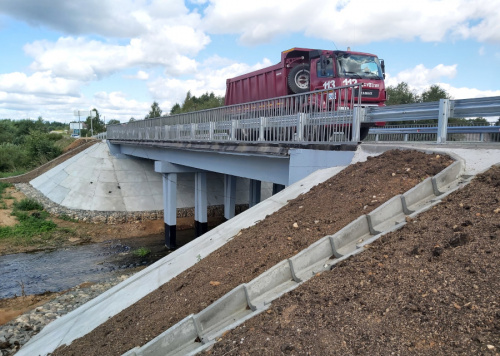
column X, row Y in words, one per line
column 278, row 164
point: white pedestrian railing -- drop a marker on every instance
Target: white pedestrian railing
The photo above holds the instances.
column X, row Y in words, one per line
column 326, row 115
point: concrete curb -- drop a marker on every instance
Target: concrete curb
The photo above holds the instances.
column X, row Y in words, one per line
column 182, row 339
column 386, row 215
column 275, row 281
column 310, row 261
column 223, row 312
column 343, row 241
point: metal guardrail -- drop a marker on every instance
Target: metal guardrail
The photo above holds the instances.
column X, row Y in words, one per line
column 464, row 133
column 442, row 111
column 324, row 115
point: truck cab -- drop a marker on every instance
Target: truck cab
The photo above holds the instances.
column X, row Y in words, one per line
column 323, row 70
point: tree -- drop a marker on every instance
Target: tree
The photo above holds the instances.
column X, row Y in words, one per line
column 7, row 131
column 94, row 125
column 176, row 109
column 498, row 122
column 154, row 112
column 479, row 121
column 114, row 122
column 40, row 147
column 193, row 103
column 435, row 93
column 401, row 94
column 131, row 119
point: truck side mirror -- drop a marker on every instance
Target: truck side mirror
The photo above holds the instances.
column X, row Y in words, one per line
column 382, row 64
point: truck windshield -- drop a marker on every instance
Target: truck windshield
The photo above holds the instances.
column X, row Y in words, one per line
column 358, row 66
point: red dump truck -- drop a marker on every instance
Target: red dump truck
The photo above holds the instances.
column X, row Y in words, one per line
column 302, row 70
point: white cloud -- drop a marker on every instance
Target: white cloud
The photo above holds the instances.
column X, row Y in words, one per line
column 115, row 18
column 420, row 77
column 115, row 105
column 356, row 21
column 140, row 75
column 210, row 78
column 467, row 93
column 40, row 83
column 83, row 59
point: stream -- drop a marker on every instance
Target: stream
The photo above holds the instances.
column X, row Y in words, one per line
column 62, row 269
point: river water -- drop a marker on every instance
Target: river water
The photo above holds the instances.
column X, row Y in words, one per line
column 59, row 270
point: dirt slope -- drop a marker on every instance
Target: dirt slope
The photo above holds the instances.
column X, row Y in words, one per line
column 431, row 288
column 324, row 210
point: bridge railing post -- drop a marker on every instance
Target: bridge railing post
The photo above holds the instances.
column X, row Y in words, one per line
column 178, row 132
column 193, row 131
column 301, row 123
column 166, row 130
column 357, row 116
column 211, row 130
column 262, row 128
column 234, row 127
column 444, row 114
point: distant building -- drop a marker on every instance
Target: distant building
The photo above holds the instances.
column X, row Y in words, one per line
column 76, row 127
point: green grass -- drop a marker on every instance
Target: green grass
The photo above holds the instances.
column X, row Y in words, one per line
column 33, row 228
column 4, row 186
column 28, row 227
column 142, row 252
column 27, row 204
column 67, row 218
column 12, row 174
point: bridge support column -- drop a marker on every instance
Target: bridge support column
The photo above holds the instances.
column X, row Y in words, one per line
column 229, row 196
column 200, row 201
column 254, row 193
column 277, row 188
column 170, row 208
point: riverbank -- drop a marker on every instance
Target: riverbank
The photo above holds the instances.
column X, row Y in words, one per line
column 43, row 309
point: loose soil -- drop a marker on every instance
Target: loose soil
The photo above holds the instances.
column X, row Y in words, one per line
column 10, row 308
column 9, row 196
column 430, row 288
column 324, row 210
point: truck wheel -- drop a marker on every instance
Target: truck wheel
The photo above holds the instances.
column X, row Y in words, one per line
column 298, row 79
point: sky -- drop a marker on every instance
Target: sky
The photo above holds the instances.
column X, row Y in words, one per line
column 119, row 56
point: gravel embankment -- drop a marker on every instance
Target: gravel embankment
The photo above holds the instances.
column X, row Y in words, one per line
column 20, row 330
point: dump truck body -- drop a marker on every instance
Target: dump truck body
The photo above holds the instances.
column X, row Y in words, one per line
column 302, row 70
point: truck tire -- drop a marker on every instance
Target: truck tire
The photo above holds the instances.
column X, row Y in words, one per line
column 298, row 79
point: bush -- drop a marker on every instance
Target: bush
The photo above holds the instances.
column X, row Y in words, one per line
column 27, row 205
column 55, row 136
column 40, row 148
column 142, row 252
column 12, row 157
